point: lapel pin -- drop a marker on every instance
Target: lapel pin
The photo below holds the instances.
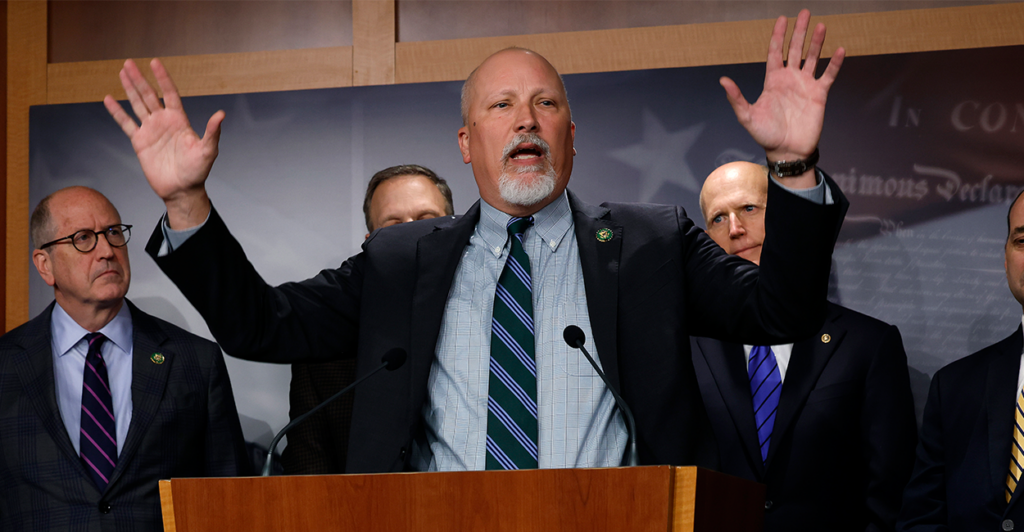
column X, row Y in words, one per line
column 604, row 235
column 157, row 358
column 826, row 338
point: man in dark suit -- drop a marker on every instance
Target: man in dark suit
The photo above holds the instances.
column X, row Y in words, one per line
column 826, row 423
column 638, row 278
column 319, row 445
column 99, row 400
column 968, row 470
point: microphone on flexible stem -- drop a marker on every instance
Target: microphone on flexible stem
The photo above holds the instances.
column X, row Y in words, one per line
column 391, row 361
column 575, row 337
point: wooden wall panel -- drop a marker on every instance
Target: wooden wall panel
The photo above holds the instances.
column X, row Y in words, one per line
column 373, row 42
column 317, row 68
column 3, row 152
column 95, row 30
column 26, row 85
column 719, row 43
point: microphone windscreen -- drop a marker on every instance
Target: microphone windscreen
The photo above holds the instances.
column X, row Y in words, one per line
column 394, row 358
column 574, row 336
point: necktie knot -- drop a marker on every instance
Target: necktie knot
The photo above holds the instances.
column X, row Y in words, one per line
column 518, row 226
column 95, row 341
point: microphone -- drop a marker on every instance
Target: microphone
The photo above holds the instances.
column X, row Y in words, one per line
column 392, row 360
column 575, row 337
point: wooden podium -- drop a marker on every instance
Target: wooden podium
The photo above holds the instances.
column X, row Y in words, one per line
column 634, row 499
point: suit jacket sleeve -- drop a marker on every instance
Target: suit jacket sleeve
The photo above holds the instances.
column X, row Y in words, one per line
column 889, row 429
column 225, row 447
column 783, row 300
column 924, row 500
column 316, row 318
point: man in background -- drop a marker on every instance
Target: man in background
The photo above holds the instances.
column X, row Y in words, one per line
column 318, row 445
column 826, row 423
column 968, row 470
column 99, row 400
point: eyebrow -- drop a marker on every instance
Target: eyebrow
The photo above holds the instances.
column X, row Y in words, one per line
column 1017, row 230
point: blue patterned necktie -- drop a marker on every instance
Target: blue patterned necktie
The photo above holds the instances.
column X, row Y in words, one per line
column 98, row 439
column 512, row 388
column 765, row 389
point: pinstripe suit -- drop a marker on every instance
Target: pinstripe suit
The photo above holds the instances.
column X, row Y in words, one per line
column 184, row 424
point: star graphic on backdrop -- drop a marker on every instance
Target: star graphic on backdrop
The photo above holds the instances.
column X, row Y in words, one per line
column 661, row 156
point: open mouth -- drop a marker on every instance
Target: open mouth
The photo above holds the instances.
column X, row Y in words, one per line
column 526, row 152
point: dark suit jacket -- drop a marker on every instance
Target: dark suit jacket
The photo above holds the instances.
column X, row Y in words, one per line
column 184, row 424
column 843, row 443
column 964, row 453
column 657, row 281
column 319, row 445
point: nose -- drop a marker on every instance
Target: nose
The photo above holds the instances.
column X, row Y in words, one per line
column 736, row 229
column 526, row 121
column 103, row 248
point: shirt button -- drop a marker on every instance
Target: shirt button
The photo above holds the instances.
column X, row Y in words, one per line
column 104, row 507
column 768, row 505
column 1007, row 525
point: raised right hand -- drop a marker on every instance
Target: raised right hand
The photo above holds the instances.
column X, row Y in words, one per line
column 174, row 159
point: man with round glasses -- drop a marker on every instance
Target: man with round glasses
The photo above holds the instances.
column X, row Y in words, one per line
column 107, row 400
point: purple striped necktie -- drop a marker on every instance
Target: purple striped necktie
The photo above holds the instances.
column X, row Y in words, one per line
column 98, row 439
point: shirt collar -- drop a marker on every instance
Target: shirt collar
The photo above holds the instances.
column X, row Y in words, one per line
column 550, row 224
column 67, row 333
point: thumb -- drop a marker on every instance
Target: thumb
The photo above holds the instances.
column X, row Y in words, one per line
column 211, row 138
column 736, row 100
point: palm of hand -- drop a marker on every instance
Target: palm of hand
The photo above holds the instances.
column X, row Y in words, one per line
column 172, row 155
column 789, row 113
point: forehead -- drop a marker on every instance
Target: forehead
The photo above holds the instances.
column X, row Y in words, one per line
column 517, row 71
column 734, row 190
column 74, row 210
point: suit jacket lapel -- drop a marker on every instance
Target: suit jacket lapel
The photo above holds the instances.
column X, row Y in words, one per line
column 1000, row 402
column 728, row 366
column 600, row 261
column 437, row 258
column 806, row 363
column 148, row 382
column 34, row 365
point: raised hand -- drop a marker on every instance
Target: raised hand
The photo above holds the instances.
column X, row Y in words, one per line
column 174, row 159
column 787, row 118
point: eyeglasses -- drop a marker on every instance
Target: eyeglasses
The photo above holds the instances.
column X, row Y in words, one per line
column 86, row 239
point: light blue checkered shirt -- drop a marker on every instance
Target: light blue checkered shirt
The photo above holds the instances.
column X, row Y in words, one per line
column 579, row 425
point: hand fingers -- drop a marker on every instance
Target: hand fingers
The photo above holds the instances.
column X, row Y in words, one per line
column 211, row 138
column 138, row 106
column 146, row 93
column 817, row 39
column 834, row 65
column 775, row 44
column 127, row 124
column 796, row 44
column 171, row 98
column 740, row 106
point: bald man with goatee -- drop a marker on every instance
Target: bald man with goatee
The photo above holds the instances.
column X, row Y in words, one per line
column 826, row 423
column 480, row 301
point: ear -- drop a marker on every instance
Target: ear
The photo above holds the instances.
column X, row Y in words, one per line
column 44, row 265
column 464, row 144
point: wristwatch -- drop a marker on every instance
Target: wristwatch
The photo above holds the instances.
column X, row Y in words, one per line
column 792, row 168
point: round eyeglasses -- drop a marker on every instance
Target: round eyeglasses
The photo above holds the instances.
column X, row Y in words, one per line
column 86, row 239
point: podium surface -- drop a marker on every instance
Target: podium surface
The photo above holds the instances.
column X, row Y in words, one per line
column 654, row 498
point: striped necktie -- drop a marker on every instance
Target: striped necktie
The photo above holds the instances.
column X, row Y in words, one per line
column 1017, row 449
column 765, row 389
column 98, row 440
column 512, row 388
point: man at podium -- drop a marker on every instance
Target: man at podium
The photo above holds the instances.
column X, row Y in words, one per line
column 480, row 302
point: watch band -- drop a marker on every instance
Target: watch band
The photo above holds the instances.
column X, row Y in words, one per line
column 792, row 168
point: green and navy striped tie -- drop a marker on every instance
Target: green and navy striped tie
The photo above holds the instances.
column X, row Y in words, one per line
column 512, row 389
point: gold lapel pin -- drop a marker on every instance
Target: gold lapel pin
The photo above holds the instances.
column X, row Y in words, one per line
column 826, row 338
column 157, row 358
column 604, row 235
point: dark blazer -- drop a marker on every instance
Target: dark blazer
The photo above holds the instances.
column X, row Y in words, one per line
column 319, row 445
column 964, row 453
column 184, row 424
column 843, row 443
column 659, row 279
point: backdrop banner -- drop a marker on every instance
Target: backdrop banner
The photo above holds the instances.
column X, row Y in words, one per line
column 927, row 146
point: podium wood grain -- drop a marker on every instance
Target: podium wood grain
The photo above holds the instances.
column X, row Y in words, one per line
column 655, row 498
